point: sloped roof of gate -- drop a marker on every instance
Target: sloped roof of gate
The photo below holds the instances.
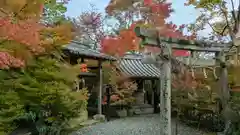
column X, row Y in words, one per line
column 80, row 49
column 132, row 66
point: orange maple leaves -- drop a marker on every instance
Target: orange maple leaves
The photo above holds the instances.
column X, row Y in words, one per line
column 19, row 22
column 155, row 17
column 25, row 32
column 119, row 45
column 23, row 35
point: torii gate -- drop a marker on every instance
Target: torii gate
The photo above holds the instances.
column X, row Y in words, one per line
column 151, row 37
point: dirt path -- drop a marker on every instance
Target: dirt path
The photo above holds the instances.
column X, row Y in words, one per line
column 140, row 125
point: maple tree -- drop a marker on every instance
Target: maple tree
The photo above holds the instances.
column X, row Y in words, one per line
column 23, row 35
column 90, row 27
column 154, row 15
column 30, row 57
column 125, row 41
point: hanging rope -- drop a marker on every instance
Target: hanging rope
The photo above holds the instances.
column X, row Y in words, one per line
column 193, row 74
column 215, row 74
column 205, row 73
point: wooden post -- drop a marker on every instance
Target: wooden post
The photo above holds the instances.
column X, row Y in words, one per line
column 161, row 79
column 167, row 95
column 236, row 42
column 166, row 92
column 224, row 90
column 100, row 88
column 152, row 99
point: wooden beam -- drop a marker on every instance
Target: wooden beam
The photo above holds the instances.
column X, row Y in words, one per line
column 93, row 67
column 190, row 47
column 150, row 35
column 197, row 61
column 146, row 32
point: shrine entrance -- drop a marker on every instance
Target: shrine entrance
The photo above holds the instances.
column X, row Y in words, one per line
column 90, row 72
column 146, row 76
column 164, row 60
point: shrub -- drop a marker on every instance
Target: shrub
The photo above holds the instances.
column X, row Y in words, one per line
column 39, row 97
column 123, row 89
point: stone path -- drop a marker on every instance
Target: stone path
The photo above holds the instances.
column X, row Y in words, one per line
column 140, row 125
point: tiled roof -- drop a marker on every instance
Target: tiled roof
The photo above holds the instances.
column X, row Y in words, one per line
column 84, row 50
column 132, row 66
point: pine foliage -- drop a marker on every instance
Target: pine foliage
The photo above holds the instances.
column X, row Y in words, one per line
column 39, row 95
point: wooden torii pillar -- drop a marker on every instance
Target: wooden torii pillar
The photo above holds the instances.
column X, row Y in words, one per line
column 151, row 37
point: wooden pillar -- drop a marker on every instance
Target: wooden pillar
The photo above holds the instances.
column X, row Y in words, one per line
column 73, row 60
column 161, row 98
column 100, row 87
column 153, row 92
column 165, row 111
column 82, row 60
column 224, row 90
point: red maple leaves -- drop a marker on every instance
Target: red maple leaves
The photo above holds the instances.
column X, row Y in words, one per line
column 23, row 32
column 163, row 9
column 147, row 2
column 127, row 40
column 119, row 45
column 6, row 61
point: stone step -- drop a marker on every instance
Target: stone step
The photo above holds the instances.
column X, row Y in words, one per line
column 143, row 110
column 142, row 106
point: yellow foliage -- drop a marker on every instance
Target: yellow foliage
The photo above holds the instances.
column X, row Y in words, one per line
column 21, row 8
column 56, row 36
column 82, row 94
column 15, row 5
column 234, row 75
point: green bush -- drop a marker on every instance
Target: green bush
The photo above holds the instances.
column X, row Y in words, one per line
column 39, row 97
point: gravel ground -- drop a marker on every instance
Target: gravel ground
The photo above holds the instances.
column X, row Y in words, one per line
column 140, row 125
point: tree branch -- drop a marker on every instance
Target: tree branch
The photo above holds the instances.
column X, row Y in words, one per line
column 233, row 12
column 212, row 27
column 238, row 18
column 224, row 28
column 228, row 24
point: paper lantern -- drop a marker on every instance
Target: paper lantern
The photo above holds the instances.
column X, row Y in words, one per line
column 83, row 68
